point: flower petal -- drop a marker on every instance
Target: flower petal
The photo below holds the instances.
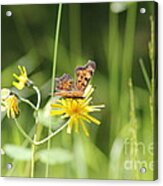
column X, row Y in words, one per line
column 19, row 85
column 89, row 90
column 70, row 125
column 94, row 120
column 87, row 101
column 65, row 116
column 24, row 70
column 99, row 106
column 55, row 105
column 57, row 112
column 20, row 69
column 84, row 128
column 93, row 109
column 85, row 119
column 62, row 101
column 15, row 76
column 76, row 123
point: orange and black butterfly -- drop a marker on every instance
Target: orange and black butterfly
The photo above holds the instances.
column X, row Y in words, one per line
column 68, row 88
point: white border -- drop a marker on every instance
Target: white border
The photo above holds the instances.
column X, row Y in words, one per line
column 49, row 182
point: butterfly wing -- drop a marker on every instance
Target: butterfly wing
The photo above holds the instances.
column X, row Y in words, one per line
column 84, row 74
column 65, row 87
column 64, row 83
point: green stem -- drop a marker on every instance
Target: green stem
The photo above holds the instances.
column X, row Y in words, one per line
column 33, row 157
column 56, row 47
column 51, row 135
column 34, row 142
column 33, row 145
column 36, row 129
column 48, row 148
column 35, row 88
column 145, row 74
column 54, row 71
column 38, row 96
column 152, row 60
column 23, row 132
column 28, row 102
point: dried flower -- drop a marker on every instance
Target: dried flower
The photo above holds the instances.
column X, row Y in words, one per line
column 9, row 103
column 77, row 111
column 22, row 79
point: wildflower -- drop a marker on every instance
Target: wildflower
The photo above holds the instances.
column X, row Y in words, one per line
column 9, row 103
column 22, row 79
column 77, row 111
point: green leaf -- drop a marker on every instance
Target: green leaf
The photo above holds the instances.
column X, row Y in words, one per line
column 55, row 156
column 17, row 152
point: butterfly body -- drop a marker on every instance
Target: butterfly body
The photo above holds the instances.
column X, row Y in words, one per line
column 67, row 88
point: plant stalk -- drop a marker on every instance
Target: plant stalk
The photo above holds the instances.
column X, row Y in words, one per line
column 36, row 127
column 37, row 143
column 57, row 31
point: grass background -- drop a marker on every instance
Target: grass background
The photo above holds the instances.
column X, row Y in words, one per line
column 117, row 42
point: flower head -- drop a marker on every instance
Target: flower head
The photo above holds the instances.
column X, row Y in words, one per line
column 9, row 103
column 22, row 79
column 77, row 111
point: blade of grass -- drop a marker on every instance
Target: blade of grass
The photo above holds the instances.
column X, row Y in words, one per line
column 128, row 44
column 153, row 95
column 57, row 31
column 56, row 47
column 113, row 68
column 145, row 74
column 37, row 126
column 151, row 45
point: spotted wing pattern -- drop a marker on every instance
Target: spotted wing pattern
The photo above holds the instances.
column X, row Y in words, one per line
column 66, row 87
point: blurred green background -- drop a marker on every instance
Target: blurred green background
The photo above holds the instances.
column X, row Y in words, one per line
column 116, row 36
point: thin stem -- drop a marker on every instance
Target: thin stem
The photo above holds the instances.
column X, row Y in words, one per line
column 48, row 148
column 29, row 139
column 145, row 74
column 23, row 132
column 33, row 157
column 38, row 96
column 54, row 71
column 28, row 102
column 36, row 126
column 152, row 60
column 42, row 141
column 56, row 47
column 52, row 134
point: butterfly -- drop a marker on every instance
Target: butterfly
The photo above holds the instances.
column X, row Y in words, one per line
column 66, row 87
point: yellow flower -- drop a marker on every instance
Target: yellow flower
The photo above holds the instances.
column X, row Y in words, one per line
column 77, row 111
column 9, row 103
column 22, row 79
